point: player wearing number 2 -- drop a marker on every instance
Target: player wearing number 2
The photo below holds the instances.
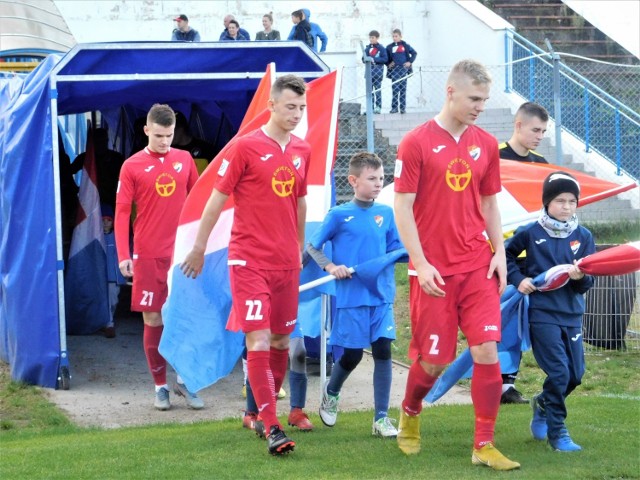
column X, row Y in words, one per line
column 266, row 171
column 447, row 176
column 157, row 179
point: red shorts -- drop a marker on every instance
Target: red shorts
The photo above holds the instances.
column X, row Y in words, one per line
column 264, row 299
column 149, row 291
column 471, row 303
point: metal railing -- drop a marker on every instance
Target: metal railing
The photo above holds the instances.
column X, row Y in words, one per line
column 600, row 121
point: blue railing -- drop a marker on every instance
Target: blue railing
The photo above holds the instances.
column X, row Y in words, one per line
column 589, row 113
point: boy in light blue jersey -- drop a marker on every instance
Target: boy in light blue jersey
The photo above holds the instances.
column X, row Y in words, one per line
column 360, row 230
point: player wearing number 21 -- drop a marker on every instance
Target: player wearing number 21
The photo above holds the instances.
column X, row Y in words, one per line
column 157, row 179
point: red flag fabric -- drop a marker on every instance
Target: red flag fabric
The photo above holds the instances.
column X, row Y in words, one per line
column 521, row 196
column 617, row 260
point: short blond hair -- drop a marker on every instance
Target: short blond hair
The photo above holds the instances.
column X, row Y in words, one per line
column 471, row 69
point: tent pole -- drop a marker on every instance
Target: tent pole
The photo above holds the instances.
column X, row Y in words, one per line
column 63, row 370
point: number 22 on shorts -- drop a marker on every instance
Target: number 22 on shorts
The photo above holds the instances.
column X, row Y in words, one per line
column 254, row 309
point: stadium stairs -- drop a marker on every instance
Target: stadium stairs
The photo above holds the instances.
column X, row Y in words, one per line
column 389, row 130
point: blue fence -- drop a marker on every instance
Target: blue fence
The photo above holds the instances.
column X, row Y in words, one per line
column 593, row 116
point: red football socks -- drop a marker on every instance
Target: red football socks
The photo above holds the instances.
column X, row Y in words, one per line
column 263, row 387
column 419, row 383
column 279, row 361
column 486, row 387
column 157, row 363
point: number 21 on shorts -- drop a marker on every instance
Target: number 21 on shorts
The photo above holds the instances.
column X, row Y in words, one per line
column 147, row 298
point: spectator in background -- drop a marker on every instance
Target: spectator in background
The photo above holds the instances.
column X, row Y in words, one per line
column 183, row 32
column 242, row 31
column 114, row 277
column 316, row 33
column 301, row 29
column 380, row 58
column 401, row 57
column 268, row 33
column 233, row 32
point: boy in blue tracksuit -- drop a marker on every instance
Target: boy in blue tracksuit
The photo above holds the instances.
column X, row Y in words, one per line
column 360, row 230
column 401, row 57
column 378, row 54
column 555, row 317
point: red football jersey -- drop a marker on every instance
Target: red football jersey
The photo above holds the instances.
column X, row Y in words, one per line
column 158, row 185
column 448, row 178
column 266, row 183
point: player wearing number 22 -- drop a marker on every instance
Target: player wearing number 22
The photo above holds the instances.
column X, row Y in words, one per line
column 266, row 171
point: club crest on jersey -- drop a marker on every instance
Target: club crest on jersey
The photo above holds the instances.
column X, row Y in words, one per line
column 165, row 185
column 177, row 166
column 283, row 181
column 575, row 245
column 223, row 167
column 458, row 175
column 379, row 219
column 474, row 152
column 297, row 161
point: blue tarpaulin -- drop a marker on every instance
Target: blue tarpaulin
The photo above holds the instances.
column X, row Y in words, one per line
column 217, row 79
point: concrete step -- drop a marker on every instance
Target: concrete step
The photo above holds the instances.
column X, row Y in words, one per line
column 391, row 128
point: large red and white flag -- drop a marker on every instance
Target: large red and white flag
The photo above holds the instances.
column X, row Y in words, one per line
column 521, row 197
column 195, row 341
column 520, row 200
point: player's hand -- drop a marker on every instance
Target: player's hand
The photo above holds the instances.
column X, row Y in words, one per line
column 391, row 64
column 126, row 268
column 407, row 65
column 574, row 272
column 430, row 280
column 338, row 271
column 498, row 265
column 526, row 286
column 192, row 264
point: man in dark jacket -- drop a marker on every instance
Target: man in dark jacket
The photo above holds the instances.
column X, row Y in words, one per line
column 183, row 32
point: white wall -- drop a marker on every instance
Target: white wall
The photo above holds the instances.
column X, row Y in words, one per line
column 441, row 31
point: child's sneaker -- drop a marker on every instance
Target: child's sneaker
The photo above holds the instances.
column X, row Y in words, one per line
column 563, row 443
column 384, row 428
column 281, row 394
column 329, row 407
column 491, row 457
column 539, row 420
column 192, row 399
column 249, row 420
column 300, row 420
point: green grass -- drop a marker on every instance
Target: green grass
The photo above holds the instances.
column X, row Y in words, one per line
column 38, row 441
column 606, row 428
column 615, row 233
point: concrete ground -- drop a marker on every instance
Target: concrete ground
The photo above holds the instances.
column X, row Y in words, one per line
column 111, row 386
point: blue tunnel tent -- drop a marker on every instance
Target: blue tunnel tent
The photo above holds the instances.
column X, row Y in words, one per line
column 215, row 80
